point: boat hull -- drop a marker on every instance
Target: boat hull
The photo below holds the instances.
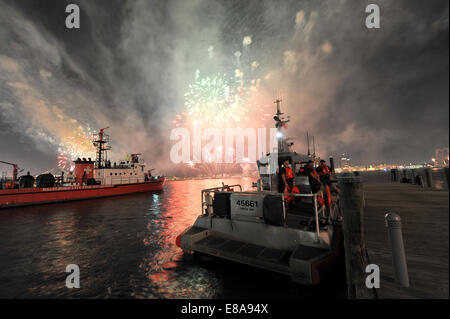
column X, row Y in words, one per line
column 36, row 196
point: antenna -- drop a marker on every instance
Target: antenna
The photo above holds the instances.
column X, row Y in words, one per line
column 277, row 102
column 307, row 141
column 314, row 147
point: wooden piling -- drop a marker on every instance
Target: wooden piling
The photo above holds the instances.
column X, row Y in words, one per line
column 394, row 175
column 413, row 176
column 429, row 177
column 356, row 257
column 420, row 181
column 404, row 176
column 446, row 177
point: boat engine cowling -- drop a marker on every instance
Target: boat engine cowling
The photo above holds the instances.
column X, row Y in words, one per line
column 221, row 204
column 273, row 210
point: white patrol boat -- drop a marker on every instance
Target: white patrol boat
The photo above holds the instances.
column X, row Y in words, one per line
column 301, row 239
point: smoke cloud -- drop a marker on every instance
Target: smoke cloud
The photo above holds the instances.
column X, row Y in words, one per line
column 380, row 95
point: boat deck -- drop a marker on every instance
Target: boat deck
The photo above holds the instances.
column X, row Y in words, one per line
column 245, row 252
column 299, row 263
column 302, row 216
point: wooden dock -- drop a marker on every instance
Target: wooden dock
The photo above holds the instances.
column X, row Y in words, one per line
column 425, row 217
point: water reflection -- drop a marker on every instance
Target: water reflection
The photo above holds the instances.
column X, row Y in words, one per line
column 169, row 273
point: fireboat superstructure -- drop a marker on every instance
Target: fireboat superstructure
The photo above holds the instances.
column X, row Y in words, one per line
column 103, row 172
column 289, row 233
column 89, row 179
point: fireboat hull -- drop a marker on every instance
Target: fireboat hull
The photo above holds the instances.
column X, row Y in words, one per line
column 36, row 196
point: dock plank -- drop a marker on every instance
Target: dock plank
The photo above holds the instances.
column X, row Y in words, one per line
column 425, row 216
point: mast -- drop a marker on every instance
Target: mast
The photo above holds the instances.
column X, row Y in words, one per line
column 101, row 141
column 277, row 102
column 314, row 147
column 279, row 124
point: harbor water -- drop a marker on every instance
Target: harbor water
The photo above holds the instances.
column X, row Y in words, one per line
column 125, row 248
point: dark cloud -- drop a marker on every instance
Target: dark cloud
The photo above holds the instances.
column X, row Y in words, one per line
column 380, row 95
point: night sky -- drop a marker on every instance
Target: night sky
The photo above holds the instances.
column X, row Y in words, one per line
column 379, row 95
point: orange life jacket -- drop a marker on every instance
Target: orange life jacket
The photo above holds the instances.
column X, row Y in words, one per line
column 288, row 173
column 289, row 199
column 314, row 173
column 325, row 170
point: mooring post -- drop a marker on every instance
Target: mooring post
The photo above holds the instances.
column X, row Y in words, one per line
column 403, row 179
column 446, row 177
column 393, row 175
column 429, row 177
column 394, row 225
column 356, row 257
column 413, row 176
column 420, row 180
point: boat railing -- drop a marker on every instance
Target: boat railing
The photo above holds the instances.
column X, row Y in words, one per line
column 207, row 200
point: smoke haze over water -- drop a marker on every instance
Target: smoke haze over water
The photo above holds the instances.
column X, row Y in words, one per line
column 380, row 95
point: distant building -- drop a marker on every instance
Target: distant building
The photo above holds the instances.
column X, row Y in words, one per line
column 344, row 162
column 441, row 158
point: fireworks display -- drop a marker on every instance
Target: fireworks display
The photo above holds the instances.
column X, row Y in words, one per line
column 225, row 100
column 78, row 144
column 217, row 102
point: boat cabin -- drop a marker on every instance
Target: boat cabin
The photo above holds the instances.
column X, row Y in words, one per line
column 269, row 172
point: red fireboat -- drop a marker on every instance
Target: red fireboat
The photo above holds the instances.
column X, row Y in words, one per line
column 89, row 179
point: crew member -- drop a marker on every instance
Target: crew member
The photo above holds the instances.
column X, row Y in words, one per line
column 314, row 180
column 287, row 176
column 324, row 173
